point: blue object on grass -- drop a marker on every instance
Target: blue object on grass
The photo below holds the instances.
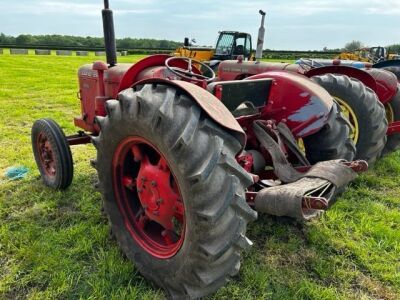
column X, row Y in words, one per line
column 14, row 173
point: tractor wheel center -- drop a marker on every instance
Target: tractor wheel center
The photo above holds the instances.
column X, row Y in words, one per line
column 351, row 117
column 149, row 197
column 46, row 155
column 157, row 194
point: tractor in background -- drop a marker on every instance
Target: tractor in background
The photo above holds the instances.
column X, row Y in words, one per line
column 230, row 45
column 186, row 160
column 369, row 98
column 381, row 78
column 368, row 54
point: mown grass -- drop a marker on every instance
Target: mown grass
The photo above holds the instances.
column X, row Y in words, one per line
column 57, row 245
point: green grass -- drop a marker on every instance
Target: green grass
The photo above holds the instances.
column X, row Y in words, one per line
column 57, row 245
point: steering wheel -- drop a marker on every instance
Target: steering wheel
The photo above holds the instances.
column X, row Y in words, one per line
column 188, row 73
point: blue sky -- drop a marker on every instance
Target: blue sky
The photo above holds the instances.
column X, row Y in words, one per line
column 302, row 25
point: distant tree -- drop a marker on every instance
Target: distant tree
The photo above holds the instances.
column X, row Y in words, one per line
column 325, row 49
column 353, row 45
column 394, row 48
column 6, row 39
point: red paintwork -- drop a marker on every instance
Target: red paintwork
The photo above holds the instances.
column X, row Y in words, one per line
column 93, row 94
column 394, row 127
column 308, row 108
column 386, row 84
column 147, row 193
column 309, row 104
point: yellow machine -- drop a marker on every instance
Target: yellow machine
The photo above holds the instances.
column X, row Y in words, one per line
column 197, row 53
column 230, row 45
column 372, row 55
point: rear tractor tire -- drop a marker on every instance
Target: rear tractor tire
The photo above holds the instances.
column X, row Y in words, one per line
column 52, row 154
column 362, row 109
column 172, row 190
column 333, row 141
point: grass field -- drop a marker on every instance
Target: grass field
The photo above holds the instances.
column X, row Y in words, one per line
column 56, row 245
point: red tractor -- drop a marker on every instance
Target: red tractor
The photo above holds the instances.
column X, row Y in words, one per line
column 185, row 160
column 362, row 95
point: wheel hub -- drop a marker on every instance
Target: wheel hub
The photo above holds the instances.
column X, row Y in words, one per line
column 46, row 155
column 148, row 197
column 158, row 198
column 351, row 117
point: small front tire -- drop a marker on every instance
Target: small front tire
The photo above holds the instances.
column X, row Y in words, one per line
column 52, row 154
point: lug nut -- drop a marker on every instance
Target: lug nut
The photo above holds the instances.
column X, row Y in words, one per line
column 153, row 183
column 159, row 201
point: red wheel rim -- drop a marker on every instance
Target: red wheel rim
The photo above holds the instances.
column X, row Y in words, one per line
column 148, row 197
column 46, row 155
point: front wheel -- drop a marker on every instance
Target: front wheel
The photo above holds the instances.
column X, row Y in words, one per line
column 52, row 154
column 172, row 189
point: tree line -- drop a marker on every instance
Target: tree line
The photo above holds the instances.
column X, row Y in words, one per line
column 84, row 42
column 54, row 40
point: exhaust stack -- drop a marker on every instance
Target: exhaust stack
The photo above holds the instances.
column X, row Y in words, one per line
column 109, row 35
column 260, row 39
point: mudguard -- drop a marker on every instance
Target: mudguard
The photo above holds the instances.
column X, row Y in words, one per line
column 296, row 100
column 386, row 84
column 361, row 75
column 210, row 104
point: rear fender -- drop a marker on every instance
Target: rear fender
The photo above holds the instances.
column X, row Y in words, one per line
column 386, row 84
column 361, row 75
column 296, row 100
column 136, row 72
column 210, row 104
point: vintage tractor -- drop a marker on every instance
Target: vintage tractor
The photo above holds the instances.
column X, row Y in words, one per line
column 369, row 98
column 184, row 161
column 361, row 94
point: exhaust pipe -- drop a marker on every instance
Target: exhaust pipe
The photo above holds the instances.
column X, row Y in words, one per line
column 260, row 39
column 109, row 35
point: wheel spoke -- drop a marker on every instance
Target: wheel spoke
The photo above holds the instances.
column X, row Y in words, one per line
column 162, row 164
column 137, row 153
column 143, row 220
column 128, row 182
column 169, row 237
